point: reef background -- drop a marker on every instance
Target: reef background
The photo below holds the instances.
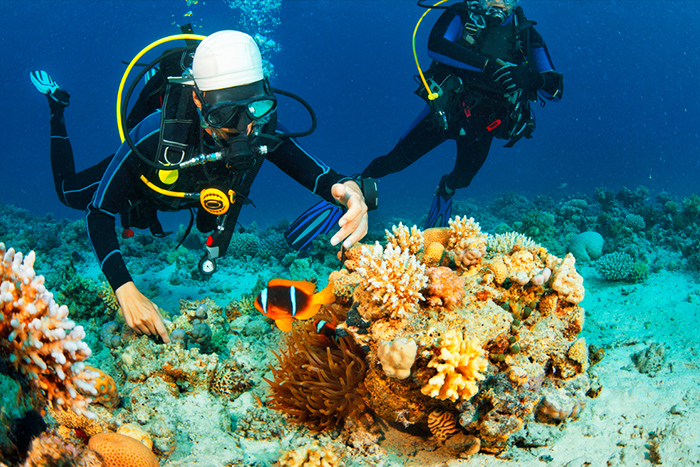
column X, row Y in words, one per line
column 618, row 155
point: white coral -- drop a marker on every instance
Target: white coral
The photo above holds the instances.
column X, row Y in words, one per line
column 401, row 237
column 395, row 276
column 33, row 333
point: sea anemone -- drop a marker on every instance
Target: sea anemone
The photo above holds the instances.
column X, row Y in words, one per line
column 318, row 382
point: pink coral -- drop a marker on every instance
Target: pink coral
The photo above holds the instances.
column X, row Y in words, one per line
column 445, row 288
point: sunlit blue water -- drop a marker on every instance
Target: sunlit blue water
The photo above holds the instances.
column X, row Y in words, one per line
column 628, row 116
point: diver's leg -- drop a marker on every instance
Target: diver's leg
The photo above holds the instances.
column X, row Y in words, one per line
column 75, row 190
column 423, row 135
column 471, row 155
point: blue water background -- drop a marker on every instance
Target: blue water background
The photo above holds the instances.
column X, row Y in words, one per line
column 628, row 117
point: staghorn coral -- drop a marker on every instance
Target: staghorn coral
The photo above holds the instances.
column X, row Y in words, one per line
column 615, row 266
column 318, row 381
column 122, row 451
column 403, row 238
column 501, row 244
column 459, row 364
column 394, row 276
column 38, row 338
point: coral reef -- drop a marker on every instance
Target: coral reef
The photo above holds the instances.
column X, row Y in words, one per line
column 506, row 326
column 39, row 340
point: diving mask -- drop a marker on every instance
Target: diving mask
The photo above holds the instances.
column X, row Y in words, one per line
column 226, row 114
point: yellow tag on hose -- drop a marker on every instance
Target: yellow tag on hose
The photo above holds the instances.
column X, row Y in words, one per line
column 168, row 176
column 214, row 201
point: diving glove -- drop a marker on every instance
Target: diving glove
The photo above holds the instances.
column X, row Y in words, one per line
column 513, row 77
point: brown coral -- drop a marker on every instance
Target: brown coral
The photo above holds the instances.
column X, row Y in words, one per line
column 443, row 424
column 318, row 381
column 122, row 451
column 229, row 380
column 49, row 450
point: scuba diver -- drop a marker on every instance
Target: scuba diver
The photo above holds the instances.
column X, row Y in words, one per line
column 198, row 151
column 489, row 63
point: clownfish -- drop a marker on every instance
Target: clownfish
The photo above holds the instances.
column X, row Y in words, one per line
column 284, row 301
column 327, row 329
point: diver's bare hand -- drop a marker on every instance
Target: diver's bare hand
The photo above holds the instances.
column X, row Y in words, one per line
column 353, row 224
column 140, row 313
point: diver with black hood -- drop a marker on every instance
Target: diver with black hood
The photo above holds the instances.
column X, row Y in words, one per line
column 199, row 152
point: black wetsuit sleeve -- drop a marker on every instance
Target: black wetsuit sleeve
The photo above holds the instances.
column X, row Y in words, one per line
column 118, row 190
column 443, row 46
column 312, row 173
column 542, row 62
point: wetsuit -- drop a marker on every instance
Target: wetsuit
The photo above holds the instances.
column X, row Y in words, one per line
column 481, row 101
column 113, row 186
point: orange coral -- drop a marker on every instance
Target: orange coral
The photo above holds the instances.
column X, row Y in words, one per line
column 433, row 254
column 107, row 394
column 445, row 288
column 459, row 364
column 437, row 234
column 69, row 419
column 500, row 271
column 344, row 284
column 122, row 451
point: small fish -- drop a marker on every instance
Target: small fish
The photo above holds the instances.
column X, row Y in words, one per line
column 327, row 329
column 284, row 301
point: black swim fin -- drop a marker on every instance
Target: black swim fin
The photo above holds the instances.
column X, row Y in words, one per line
column 319, row 219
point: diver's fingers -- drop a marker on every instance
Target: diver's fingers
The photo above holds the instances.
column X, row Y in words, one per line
column 161, row 331
column 352, row 231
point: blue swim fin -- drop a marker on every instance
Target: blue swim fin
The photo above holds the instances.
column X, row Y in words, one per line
column 441, row 209
column 45, row 84
column 319, row 219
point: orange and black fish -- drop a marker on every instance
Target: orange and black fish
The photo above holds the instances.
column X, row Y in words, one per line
column 326, row 329
column 284, row 301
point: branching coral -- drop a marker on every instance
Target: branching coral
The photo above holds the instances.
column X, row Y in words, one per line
column 467, row 241
column 318, row 381
column 458, row 363
column 38, row 338
column 394, row 276
column 405, row 239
